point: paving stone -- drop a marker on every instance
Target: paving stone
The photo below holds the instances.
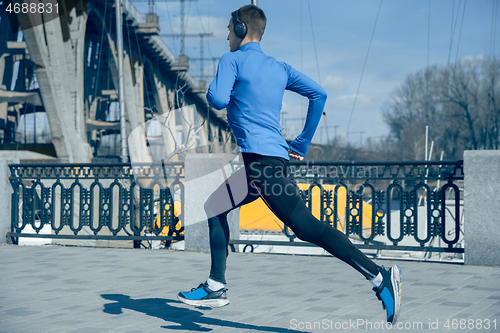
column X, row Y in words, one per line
column 78, row 289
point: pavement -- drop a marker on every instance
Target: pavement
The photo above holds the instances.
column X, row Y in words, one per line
column 83, row 289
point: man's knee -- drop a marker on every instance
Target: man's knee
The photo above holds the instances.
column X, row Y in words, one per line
column 207, row 206
column 308, row 235
column 214, row 207
column 305, row 226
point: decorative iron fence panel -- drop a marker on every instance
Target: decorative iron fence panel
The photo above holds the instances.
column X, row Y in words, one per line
column 395, row 205
column 111, row 201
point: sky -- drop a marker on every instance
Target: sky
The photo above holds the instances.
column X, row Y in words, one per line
column 360, row 51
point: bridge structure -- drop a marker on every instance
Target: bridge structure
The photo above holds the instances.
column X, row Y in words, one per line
column 59, row 93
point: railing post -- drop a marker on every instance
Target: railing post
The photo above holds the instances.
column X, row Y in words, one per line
column 482, row 211
column 6, row 197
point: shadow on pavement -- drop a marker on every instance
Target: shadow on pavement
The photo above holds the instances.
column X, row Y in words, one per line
column 186, row 319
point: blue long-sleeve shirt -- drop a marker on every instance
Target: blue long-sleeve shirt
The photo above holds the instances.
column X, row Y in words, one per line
column 250, row 85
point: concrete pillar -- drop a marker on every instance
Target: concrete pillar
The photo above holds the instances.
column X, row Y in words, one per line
column 204, row 174
column 4, row 105
column 214, row 140
column 227, row 141
column 3, row 110
column 2, row 67
column 481, row 207
column 5, row 197
column 194, row 137
column 171, row 98
column 169, row 131
column 206, row 131
column 167, row 118
column 113, row 64
column 161, row 96
column 58, row 50
column 133, row 81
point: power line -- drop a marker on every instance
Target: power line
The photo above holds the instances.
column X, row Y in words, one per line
column 314, row 41
column 460, row 32
column 363, row 71
column 202, row 56
column 325, row 127
column 360, row 136
column 183, row 22
column 494, row 15
column 426, row 73
column 203, row 27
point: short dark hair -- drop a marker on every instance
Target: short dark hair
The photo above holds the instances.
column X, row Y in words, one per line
column 255, row 20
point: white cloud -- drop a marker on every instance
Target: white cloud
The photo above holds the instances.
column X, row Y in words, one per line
column 334, row 82
column 349, row 99
column 469, row 58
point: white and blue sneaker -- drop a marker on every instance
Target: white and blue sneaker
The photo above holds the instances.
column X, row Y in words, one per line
column 389, row 292
column 203, row 296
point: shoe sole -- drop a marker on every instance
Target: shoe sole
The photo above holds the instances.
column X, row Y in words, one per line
column 396, row 289
column 210, row 303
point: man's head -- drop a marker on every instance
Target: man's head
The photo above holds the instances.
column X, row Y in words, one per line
column 255, row 21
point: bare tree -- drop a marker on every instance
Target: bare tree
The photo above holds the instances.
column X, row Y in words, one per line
column 457, row 102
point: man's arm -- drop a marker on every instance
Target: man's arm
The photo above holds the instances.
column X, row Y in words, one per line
column 305, row 86
column 219, row 91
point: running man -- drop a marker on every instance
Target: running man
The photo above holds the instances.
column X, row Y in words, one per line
column 250, row 85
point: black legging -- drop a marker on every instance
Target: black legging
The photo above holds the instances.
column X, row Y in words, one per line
column 266, row 177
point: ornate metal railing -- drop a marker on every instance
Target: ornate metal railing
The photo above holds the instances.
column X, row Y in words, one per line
column 381, row 204
column 97, row 201
column 397, row 205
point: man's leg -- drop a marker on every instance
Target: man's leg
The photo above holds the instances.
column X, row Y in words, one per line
column 269, row 176
column 233, row 193
column 283, row 198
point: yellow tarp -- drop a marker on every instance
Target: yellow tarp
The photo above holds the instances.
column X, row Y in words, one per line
column 166, row 230
column 257, row 216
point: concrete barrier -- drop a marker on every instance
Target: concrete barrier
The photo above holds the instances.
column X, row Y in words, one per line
column 482, row 207
column 5, row 197
column 204, row 173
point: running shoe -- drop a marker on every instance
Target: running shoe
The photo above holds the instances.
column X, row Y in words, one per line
column 389, row 292
column 203, row 296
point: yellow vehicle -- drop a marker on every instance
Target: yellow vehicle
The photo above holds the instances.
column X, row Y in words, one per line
column 178, row 228
column 257, row 216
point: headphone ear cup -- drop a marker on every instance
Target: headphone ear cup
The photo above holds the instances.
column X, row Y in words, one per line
column 240, row 29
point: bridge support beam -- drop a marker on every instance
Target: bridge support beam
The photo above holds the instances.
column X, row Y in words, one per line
column 133, row 73
column 57, row 48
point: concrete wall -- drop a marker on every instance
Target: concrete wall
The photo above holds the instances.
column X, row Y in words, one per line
column 482, row 207
column 5, row 197
column 204, row 174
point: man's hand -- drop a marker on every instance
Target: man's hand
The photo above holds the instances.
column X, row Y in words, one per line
column 295, row 156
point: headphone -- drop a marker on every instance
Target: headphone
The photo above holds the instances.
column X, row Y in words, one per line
column 240, row 28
